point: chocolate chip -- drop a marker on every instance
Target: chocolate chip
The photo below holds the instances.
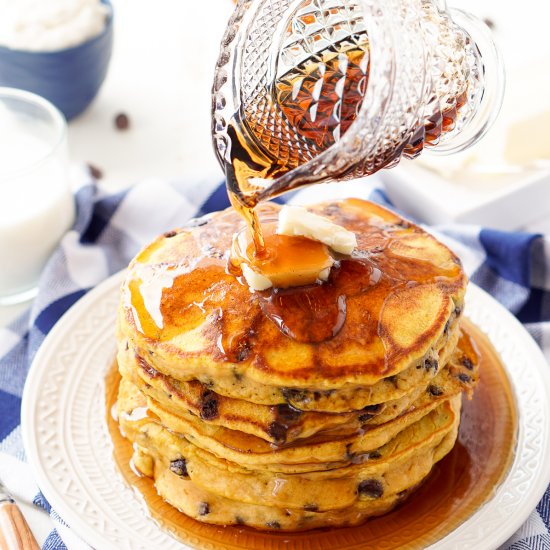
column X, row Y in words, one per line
column 371, row 488
column 435, row 390
column 204, row 509
column 179, row 467
column 374, row 455
column 209, row 405
column 287, row 414
column 467, row 362
column 392, row 380
column 370, row 411
column 464, row 378
column 349, row 454
column 95, row 172
column 273, row 524
column 294, row 395
column 243, row 350
column 239, row 520
column 317, row 395
column 489, row 22
column 277, row 432
column 431, row 364
column 122, row 122
column 170, row 234
column 238, row 376
column 311, row 507
column 458, row 310
column 148, row 369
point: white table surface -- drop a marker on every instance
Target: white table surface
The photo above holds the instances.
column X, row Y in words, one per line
column 160, row 76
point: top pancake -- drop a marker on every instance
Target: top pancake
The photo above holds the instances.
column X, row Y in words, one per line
column 381, row 311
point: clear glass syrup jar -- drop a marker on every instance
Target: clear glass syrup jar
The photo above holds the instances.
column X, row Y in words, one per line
column 310, row 91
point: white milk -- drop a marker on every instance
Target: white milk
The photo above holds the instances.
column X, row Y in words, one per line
column 36, row 204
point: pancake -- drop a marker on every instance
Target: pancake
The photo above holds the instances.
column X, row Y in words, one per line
column 344, row 399
column 208, row 507
column 296, row 408
column 275, row 424
column 389, row 469
column 192, row 319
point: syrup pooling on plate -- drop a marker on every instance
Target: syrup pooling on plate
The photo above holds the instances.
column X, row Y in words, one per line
column 457, row 487
column 209, row 295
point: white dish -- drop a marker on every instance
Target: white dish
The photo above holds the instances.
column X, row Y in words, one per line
column 69, row 449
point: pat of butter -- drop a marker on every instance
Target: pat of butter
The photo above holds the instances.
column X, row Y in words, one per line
column 296, row 221
column 256, row 281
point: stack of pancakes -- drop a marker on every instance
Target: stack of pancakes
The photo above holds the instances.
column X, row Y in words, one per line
column 276, row 420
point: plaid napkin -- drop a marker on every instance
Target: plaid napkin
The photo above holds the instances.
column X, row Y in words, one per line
column 109, row 230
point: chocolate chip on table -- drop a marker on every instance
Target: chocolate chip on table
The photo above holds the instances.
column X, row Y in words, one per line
column 209, row 405
column 170, row 234
column 371, row 488
column 489, row 22
column 204, row 509
column 95, row 172
column 435, row 390
column 273, row 524
column 122, row 122
column 179, row 467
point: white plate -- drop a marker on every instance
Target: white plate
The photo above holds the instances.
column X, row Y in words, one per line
column 69, row 449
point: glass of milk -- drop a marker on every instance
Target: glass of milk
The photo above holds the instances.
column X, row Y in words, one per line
column 36, row 203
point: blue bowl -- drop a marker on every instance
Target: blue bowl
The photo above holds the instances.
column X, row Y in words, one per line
column 69, row 78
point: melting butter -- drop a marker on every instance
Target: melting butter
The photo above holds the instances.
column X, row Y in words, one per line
column 296, row 221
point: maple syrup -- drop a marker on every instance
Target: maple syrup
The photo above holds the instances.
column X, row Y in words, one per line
column 379, row 268
column 288, row 261
column 455, row 489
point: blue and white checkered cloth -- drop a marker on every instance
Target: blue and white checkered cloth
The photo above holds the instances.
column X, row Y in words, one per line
column 109, row 230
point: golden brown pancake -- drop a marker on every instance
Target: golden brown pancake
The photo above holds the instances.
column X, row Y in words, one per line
column 280, row 424
column 296, row 408
column 389, row 468
column 208, row 507
column 382, row 311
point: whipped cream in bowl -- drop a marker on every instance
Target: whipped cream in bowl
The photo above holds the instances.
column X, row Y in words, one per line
column 35, row 25
column 58, row 49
